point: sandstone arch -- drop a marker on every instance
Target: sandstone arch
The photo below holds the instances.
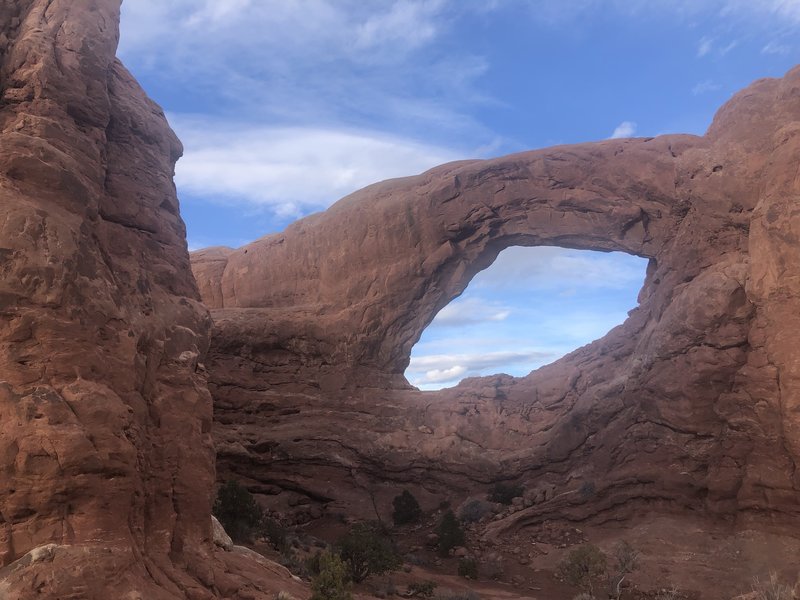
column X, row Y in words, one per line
column 690, row 404
column 412, row 245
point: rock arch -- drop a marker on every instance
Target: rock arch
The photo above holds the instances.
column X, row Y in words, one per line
column 412, row 245
column 690, row 403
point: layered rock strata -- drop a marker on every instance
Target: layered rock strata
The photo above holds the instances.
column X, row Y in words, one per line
column 691, row 404
column 106, row 456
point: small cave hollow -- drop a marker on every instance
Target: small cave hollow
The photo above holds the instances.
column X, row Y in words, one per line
column 529, row 308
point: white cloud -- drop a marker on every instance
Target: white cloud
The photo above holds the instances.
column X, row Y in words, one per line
column 553, row 269
column 442, row 375
column 291, row 170
column 786, row 8
column 705, row 86
column 425, row 371
column 705, row 46
column 775, row 47
column 333, row 63
column 216, row 12
column 469, row 311
column 410, row 22
column 625, row 129
column 725, row 49
column 477, row 361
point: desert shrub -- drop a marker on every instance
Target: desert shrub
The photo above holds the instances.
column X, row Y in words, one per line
column 583, row 567
column 366, row 550
column 450, row 533
column 284, row 596
column 421, row 589
column 468, row 567
column 474, row 510
column 504, row 493
column 772, row 589
column 583, row 596
column 237, row 510
column 672, row 593
column 406, row 509
column 332, row 582
column 313, row 563
column 275, row 533
column 295, row 565
column 626, row 560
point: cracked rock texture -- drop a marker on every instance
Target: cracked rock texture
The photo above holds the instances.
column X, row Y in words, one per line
column 693, row 404
column 106, row 456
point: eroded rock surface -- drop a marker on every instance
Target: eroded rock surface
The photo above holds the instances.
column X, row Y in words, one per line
column 106, row 457
column 691, row 405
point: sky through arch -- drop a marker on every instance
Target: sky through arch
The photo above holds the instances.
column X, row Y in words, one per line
column 529, row 308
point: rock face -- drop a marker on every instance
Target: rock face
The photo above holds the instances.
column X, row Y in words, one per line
column 692, row 404
column 106, row 453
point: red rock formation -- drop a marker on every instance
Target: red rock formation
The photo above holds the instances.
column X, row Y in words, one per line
column 692, row 404
column 105, row 446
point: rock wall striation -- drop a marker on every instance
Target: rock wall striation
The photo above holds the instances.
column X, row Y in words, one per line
column 106, row 455
column 691, row 404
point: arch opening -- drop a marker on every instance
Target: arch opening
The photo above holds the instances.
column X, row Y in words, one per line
column 529, row 308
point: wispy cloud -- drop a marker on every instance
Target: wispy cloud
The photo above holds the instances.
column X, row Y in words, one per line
column 413, row 24
column 450, row 368
column 327, row 62
column 469, row 311
column 775, row 47
column 705, row 86
column 291, row 170
column 728, row 47
column 704, row 47
column 553, row 269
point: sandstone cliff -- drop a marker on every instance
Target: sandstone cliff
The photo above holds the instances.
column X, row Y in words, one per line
column 106, row 454
column 691, row 405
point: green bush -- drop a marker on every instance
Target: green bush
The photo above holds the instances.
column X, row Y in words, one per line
column 295, row 565
column 332, row 582
column 275, row 533
column 583, row 567
column 237, row 511
column 313, row 563
column 468, row 567
column 504, row 493
column 406, row 509
column 450, row 534
column 366, row 550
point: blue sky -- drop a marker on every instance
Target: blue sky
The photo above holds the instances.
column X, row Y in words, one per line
column 284, row 106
